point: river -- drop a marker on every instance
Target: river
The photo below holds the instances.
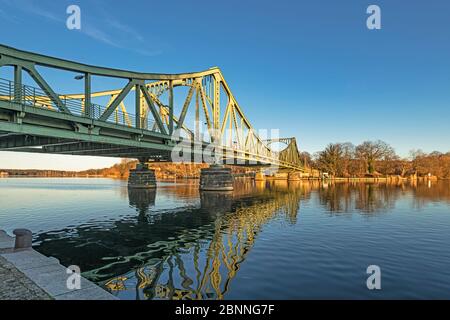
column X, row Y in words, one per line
column 266, row 240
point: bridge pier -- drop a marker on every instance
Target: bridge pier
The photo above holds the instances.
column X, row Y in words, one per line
column 216, row 178
column 294, row 176
column 142, row 177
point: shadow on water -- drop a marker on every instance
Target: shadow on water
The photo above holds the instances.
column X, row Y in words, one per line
column 192, row 253
column 195, row 252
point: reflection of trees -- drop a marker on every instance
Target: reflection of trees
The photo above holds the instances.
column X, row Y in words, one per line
column 192, row 253
column 372, row 198
column 141, row 199
column 367, row 198
column 428, row 191
column 362, row 197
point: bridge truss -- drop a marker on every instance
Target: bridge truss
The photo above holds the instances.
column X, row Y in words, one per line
column 38, row 119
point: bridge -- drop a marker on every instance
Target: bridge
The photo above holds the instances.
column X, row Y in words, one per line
column 37, row 118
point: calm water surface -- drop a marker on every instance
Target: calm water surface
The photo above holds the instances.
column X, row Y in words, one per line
column 273, row 240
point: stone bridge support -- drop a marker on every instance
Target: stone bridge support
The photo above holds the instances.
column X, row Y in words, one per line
column 216, row 178
column 142, row 177
column 294, row 176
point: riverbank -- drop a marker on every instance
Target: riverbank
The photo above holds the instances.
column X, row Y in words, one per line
column 384, row 179
column 389, row 179
column 26, row 274
column 14, row 285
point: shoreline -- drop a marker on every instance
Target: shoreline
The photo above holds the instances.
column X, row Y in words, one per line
column 28, row 274
column 267, row 178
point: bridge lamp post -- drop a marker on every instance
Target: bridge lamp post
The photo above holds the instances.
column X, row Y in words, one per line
column 87, row 92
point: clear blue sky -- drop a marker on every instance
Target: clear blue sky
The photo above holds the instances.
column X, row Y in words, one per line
column 310, row 68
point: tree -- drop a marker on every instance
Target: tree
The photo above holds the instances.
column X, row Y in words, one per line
column 435, row 163
column 330, row 159
column 305, row 158
column 348, row 153
column 372, row 151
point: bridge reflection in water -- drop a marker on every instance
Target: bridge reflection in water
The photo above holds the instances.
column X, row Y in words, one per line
column 202, row 265
column 187, row 253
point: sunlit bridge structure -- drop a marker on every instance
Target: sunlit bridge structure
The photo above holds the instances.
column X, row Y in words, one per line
column 145, row 117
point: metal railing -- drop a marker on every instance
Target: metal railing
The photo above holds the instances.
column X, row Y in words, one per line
column 38, row 98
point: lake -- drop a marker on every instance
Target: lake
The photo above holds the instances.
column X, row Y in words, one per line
column 265, row 240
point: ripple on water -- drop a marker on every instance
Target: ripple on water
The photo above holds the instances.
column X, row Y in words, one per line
column 281, row 241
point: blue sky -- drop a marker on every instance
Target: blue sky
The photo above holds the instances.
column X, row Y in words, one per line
column 310, row 68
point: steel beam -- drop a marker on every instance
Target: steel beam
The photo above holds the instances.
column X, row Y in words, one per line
column 87, row 95
column 115, row 103
column 185, row 107
column 21, row 141
column 153, row 110
column 48, row 90
column 18, row 84
column 138, row 111
column 171, row 107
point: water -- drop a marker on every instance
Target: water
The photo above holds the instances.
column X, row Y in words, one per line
column 273, row 240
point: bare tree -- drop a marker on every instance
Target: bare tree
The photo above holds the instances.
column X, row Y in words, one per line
column 348, row 153
column 330, row 159
column 306, row 159
column 372, row 151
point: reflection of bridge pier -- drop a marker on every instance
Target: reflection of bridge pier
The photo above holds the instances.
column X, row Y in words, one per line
column 217, row 202
column 260, row 185
column 141, row 199
column 260, row 175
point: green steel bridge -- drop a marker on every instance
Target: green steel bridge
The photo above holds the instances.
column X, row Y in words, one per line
column 36, row 118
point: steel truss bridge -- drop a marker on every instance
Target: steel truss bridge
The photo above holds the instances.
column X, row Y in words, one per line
column 38, row 119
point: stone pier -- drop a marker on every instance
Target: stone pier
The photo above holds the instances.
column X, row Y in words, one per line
column 142, row 177
column 216, row 178
column 294, row 176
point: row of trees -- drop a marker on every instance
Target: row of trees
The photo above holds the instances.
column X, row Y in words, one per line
column 376, row 158
column 162, row 169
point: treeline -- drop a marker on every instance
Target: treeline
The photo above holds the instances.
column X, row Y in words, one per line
column 163, row 170
column 369, row 159
column 376, row 158
column 38, row 173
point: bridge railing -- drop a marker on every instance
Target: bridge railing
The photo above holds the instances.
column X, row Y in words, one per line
column 37, row 98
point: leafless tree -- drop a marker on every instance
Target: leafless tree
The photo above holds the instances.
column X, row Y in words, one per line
column 372, row 151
